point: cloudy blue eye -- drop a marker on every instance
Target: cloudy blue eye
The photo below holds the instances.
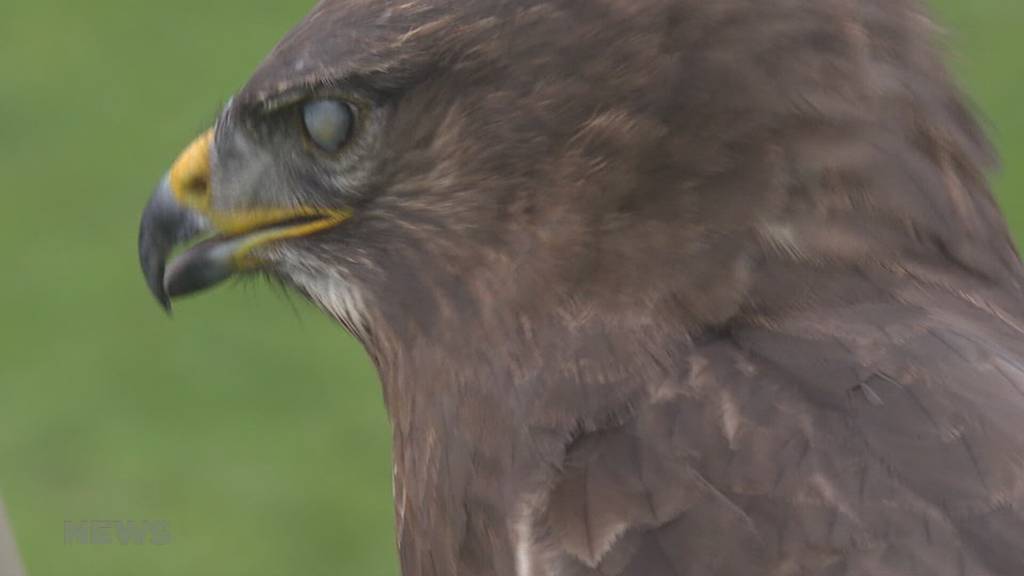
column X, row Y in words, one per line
column 328, row 123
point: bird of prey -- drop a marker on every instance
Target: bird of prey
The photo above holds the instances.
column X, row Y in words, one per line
column 654, row 287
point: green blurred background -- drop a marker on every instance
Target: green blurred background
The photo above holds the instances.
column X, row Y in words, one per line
column 250, row 424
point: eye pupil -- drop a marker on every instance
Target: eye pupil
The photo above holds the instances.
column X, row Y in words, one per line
column 328, row 123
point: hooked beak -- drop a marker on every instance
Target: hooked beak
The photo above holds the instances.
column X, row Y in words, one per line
column 180, row 211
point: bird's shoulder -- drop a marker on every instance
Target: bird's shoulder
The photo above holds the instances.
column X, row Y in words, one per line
column 881, row 438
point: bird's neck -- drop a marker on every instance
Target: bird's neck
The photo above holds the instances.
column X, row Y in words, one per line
column 481, row 413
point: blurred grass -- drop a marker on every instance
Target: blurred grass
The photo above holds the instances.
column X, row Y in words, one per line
column 986, row 44
column 250, row 423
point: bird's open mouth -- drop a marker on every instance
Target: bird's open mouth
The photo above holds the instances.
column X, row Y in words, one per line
column 179, row 213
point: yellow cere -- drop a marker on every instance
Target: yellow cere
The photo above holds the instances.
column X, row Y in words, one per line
column 190, row 175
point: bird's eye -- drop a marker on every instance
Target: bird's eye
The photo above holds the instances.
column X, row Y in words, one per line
column 328, row 123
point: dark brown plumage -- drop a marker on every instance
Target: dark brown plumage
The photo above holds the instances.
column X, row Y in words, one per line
column 659, row 287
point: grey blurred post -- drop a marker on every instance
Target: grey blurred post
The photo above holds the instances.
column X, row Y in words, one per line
column 10, row 561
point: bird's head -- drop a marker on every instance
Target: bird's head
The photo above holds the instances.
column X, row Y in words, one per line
column 418, row 160
column 427, row 164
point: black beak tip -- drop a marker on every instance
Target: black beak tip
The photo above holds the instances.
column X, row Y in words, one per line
column 164, row 224
column 153, row 270
column 164, row 300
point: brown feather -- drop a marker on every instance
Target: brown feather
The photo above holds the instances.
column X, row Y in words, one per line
column 676, row 287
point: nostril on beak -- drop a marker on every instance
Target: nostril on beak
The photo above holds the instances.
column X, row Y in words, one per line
column 198, row 187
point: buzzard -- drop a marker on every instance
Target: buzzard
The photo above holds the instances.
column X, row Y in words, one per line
column 654, row 287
